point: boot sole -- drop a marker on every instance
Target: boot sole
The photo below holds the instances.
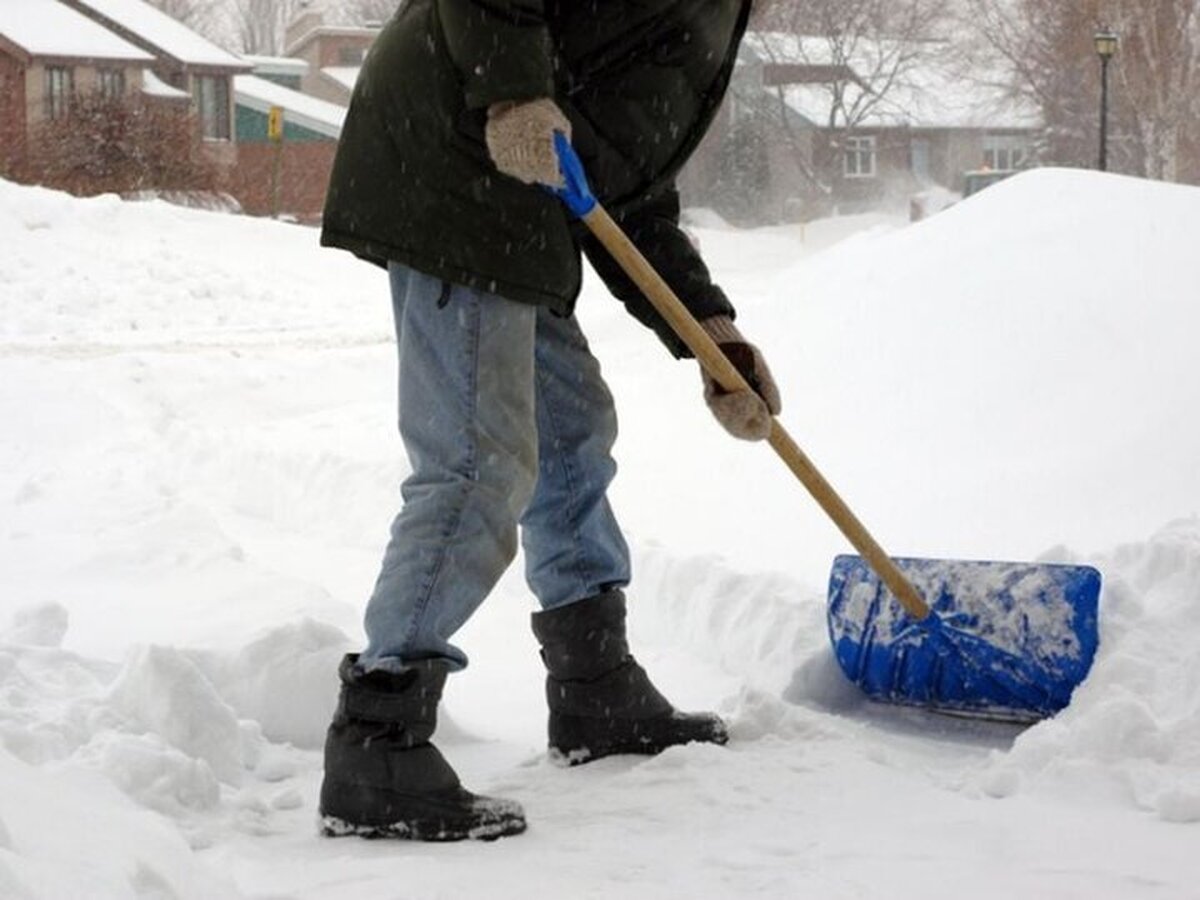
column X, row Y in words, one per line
column 386, row 814
column 427, row 831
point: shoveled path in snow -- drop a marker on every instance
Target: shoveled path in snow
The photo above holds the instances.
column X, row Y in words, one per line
column 220, row 502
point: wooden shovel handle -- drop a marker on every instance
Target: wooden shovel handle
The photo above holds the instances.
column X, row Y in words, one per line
column 709, row 355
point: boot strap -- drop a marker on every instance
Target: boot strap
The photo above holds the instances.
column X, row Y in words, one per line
column 409, row 697
column 417, row 711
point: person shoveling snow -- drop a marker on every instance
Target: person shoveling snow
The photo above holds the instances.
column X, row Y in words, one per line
column 508, row 424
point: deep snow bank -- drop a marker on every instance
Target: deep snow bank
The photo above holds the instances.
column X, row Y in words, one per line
column 100, row 271
column 1011, row 375
column 1134, row 726
column 1015, row 373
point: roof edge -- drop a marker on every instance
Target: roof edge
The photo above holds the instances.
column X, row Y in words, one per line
column 332, row 30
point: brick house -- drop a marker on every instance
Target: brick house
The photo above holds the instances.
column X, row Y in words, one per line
column 73, row 70
column 334, row 54
column 311, row 87
column 50, row 55
column 184, row 60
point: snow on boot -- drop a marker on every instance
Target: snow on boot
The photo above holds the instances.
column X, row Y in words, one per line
column 601, row 701
column 382, row 776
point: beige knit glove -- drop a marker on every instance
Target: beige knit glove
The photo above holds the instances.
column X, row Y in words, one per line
column 744, row 414
column 520, row 139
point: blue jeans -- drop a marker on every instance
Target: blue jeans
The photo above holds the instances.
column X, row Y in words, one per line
column 508, row 427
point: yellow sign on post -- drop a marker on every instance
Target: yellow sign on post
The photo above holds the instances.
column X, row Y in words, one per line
column 275, row 136
column 275, row 123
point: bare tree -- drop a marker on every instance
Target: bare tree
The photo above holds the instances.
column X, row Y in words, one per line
column 364, row 12
column 1159, row 70
column 261, row 24
column 203, row 16
column 194, row 13
column 1046, row 47
column 1156, row 76
column 867, row 47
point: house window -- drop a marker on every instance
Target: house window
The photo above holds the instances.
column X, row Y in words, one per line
column 1004, row 152
column 860, row 157
column 111, row 83
column 350, row 56
column 60, row 85
column 212, row 104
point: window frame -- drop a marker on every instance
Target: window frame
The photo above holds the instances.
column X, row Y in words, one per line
column 858, row 149
column 1014, row 149
column 60, row 91
column 211, row 95
column 111, row 83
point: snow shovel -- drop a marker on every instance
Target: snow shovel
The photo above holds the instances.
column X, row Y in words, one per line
column 995, row 640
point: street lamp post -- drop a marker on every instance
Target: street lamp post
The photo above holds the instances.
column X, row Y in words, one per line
column 1106, row 45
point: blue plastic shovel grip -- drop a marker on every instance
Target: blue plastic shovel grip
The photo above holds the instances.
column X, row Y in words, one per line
column 575, row 193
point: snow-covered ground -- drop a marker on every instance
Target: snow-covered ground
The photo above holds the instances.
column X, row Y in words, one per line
column 199, row 465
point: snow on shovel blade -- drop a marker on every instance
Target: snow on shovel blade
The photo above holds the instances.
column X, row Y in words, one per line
column 1005, row 640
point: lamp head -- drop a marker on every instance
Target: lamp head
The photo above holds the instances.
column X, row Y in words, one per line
column 1106, row 42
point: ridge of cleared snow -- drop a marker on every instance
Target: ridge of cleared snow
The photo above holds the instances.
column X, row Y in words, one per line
column 157, row 274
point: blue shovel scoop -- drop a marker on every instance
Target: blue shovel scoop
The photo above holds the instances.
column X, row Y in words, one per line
column 996, row 640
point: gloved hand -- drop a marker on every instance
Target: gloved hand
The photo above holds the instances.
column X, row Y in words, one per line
column 520, row 139
column 744, row 414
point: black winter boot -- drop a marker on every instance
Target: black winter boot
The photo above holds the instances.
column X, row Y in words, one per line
column 382, row 776
column 601, row 701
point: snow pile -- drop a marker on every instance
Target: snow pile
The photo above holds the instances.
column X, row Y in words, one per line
column 1134, row 725
column 1012, row 375
column 204, row 465
column 64, row 834
column 169, row 726
column 159, row 730
column 72, row 732
column 1131, row 732
column 152, row 273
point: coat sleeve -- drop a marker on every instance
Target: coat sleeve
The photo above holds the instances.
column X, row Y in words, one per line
column 654, row 229
column 501, row 49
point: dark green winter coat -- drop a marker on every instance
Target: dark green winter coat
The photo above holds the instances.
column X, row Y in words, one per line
column 640, row 81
